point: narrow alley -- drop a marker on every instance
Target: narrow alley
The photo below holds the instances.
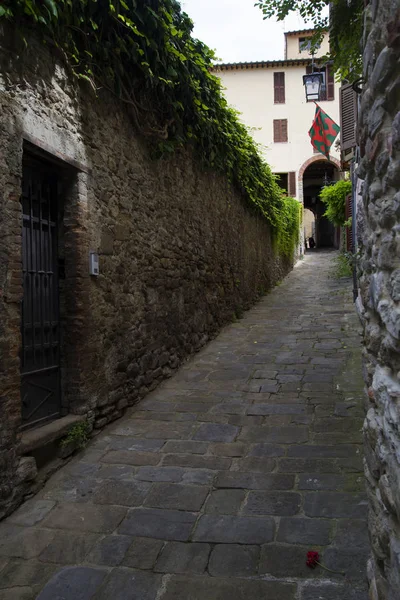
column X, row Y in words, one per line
column 216, row 485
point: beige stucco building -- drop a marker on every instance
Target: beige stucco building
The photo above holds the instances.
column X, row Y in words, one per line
column 271, row 99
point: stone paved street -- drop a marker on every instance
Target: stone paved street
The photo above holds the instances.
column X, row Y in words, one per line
column 217, row 484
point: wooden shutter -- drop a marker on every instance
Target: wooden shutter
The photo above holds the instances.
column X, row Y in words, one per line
column 280, row 130
column 348, row 117
column 330, row 83
column 284, row 130
column 279, row 88
column 349, row 230
column 277, row 130
column 292, row 184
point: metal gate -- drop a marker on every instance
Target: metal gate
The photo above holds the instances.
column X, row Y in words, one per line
column 40, row 383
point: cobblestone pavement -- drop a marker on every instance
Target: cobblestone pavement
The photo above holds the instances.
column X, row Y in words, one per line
column 217, row 484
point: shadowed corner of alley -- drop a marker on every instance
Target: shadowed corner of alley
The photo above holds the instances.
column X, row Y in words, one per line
column 218, row 483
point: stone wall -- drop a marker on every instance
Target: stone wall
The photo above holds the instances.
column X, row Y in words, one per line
column 379, row 239
column 181, row 253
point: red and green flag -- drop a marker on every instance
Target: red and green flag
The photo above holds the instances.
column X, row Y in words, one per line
column 323, row 131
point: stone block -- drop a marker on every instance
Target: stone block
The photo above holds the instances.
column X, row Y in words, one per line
column 229, row 449
column 207, row 588
column 286, row 561
column 131, row 457
column 185, row 447
column 279, row 435
column 335, row 505
column 176, row 496
column 255, row 481
column 225, row 502
column 234, row 530
column 123, row 583
column 276, row 409
column 335, row 451
column 256, row 464
column 31, row 512
column 195, row 461
column 27, row 573
column 109, row 551
column 158, row 524
column 211, row 432
column 351, row 533
column 317, row 481
column 122, row 493
column 69, row 547
column 351, row 561
column 234, row 560
column 84, row 517
column 172, row 474
column 142, row 553
column 332, row 591
column 272, row 503
column 308, row 465
column 298, row 530
column 73, row 583
column 21, row 542
column 177, row 557
column 267, row 450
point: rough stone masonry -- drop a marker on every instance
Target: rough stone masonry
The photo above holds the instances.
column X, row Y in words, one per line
column 380, row 288
column 181, row 254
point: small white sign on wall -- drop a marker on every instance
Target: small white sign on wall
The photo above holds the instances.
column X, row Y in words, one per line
column 94, row 264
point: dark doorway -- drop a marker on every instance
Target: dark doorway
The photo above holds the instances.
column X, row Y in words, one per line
column 318, row 174
column 40, row 356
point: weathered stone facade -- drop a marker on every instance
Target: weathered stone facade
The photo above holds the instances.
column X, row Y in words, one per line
column 180, row 251
column 379, row 239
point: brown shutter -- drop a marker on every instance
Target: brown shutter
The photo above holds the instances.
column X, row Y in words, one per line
column 349, row 230
column 330, row 83
column 280, row 130
column 279, row 88
column 277, row 131
column 348, row 117
column 284, row 130
column 292, row 184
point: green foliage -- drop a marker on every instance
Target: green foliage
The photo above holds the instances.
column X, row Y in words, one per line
column 345, row 29
column 334, row 196
column 143, row 52
column 78, row 435
column 343, row 265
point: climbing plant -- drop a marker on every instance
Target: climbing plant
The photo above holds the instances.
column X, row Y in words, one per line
column 345, row 23
column 334, row 196
column 143, row 53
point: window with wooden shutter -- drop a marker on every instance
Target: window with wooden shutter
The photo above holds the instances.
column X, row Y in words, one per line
column 348, row 117
column 292, row 184
column 280, row 130
column 279, row 88
column 349, row 230
column 330, row 83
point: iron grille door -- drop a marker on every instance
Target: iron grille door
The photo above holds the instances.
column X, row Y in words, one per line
column 40, row 384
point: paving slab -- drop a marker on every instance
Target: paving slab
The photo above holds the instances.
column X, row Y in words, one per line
column 216, row 485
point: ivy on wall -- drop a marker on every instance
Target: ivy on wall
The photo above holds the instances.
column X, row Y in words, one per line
column 143, row 53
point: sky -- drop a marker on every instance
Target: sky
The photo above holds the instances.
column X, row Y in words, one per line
column 236, row 31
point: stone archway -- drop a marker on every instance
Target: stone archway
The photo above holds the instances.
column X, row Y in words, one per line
column 313, row 175
column 307, row 163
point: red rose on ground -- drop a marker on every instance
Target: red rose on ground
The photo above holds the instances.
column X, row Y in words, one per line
column 312, row 559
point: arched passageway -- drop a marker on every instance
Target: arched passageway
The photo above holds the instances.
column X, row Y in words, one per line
column 316, row 175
